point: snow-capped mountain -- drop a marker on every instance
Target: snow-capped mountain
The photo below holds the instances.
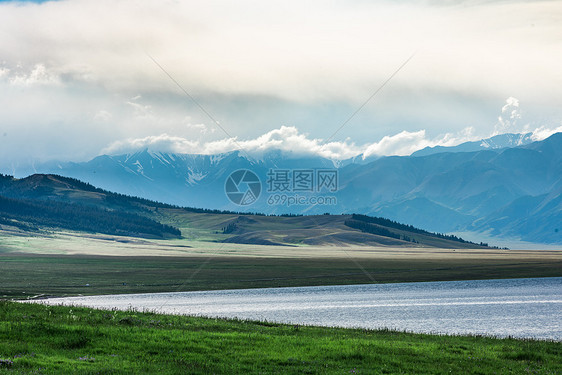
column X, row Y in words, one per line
column 505, row 190
column 495, row 142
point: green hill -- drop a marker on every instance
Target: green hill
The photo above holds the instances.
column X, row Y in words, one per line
column 50, row 201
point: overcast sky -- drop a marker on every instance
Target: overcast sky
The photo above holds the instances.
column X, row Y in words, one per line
column 77, row 80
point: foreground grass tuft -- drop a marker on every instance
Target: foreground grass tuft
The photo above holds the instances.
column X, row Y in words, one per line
column 40, row 339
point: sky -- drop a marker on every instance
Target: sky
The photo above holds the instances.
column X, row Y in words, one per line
column 80, row 78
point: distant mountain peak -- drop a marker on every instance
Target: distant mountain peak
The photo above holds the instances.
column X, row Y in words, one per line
column 507, row 140
column 492, row 143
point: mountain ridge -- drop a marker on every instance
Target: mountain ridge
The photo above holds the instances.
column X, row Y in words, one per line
column 499, row 141
column 443, row 191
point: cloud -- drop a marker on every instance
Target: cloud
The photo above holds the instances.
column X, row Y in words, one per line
column 161, row 143
column 508, row 120
column 287, row 139
column 4, row 72
column 512, row 120
column 103, row 116
column 544, row 132
column 200, row 128
column 140, row 111
column 75, row 75
column 292, row 143
column 405, row 143
column 302, row 52
column 39, row 75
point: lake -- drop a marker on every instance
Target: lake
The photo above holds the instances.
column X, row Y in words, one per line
column 525, row 308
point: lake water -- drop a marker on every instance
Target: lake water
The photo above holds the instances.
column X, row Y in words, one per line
column 529, row 308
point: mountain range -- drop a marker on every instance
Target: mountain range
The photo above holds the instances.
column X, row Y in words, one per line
column 495, row 142
column 505, row 186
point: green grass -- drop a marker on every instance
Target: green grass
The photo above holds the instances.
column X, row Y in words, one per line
column 24, row 275
column 68, row 340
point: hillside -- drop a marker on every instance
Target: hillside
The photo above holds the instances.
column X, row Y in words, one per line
column 55, row 202
column 334, row 230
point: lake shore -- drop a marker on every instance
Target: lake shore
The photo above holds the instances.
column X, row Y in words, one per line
column 519, row 308
column 71, row 340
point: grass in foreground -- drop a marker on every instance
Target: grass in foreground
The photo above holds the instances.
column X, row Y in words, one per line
column 55, row 340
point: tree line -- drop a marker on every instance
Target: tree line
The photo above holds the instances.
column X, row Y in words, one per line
column 27, row 214
column 410, row 228
column 376, row 229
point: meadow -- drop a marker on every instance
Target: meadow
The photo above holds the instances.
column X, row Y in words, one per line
column 25, row 275
column 40, row 339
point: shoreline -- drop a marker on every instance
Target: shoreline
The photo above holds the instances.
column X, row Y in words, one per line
column 351, row 306
column 279, row 323
column 76, row 340
column 41, row 298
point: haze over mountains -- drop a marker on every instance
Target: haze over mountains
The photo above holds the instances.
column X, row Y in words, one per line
column 506, row 186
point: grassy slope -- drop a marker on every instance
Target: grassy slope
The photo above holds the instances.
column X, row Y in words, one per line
column 300, row 230
column 55, row 340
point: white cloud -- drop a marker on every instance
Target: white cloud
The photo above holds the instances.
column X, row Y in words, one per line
column 302, row 52
column 509, row 118
column 38, row 75
column 75, row 76
column 4, row 72
column 200, row 128
column 141, row 111
column 295, row 144
column 162, row 143
column 292, row 143
column 405, row 143
column 544, row 132
column 103, row 115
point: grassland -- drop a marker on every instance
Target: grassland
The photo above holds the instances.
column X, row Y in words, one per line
column 315, row 230
column 39, row 339
column 23, row 275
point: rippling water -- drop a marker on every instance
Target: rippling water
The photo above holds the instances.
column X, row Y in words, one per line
column 516, row 307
